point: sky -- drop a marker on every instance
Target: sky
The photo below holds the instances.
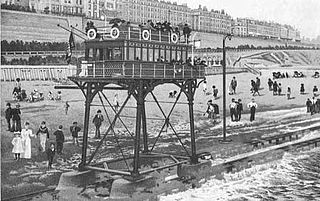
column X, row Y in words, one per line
column 301, row 14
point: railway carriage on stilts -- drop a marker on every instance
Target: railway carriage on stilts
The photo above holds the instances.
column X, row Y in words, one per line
column 137, row 59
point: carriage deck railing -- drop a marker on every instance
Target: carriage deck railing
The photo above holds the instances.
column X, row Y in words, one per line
column 137, row 33
column 140, row 69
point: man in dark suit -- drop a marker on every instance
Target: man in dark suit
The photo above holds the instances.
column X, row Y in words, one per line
column 97, row 121
column 8, row 115
column 16, row 119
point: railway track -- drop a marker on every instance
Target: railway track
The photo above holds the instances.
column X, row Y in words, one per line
column 29, row 196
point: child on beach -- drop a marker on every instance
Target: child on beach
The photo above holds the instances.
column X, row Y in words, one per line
column 75, row 129
column 59, row 139
column 51, row 151
column 116, row 104
column 66, row 107
column 17, row 145
column 289, row 93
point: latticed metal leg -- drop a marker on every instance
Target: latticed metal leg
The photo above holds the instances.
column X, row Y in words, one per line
column 89, row 93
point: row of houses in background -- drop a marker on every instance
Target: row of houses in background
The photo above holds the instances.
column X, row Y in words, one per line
column 139, row 11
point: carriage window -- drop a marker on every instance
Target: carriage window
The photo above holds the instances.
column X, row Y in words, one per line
column 90, row 53
column 131, row 53
column 117, row 53
column 156, row 54
column 144, row 54
column 178, row 55
column 150, row 54
column 184, row 55
column 138, row 53
column 107, row 54
column 168, row 55
column 162, row 56
column 99, row 54
column 173, row 54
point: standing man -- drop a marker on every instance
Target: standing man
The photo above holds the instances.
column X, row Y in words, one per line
column 258, row 82
column 234, row 85
column 204, row 85
column 8, row 115
column 239, row 109
column 16, row 119
column 275, row 88
column 270, row 83
column 44, row 135
column 214, row 92
column 97, row 121
column 59, row 139
column 233, row 110
column 252, row 106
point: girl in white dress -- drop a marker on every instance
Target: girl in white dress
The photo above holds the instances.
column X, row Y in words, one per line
column 17, row 145
column 26, row 133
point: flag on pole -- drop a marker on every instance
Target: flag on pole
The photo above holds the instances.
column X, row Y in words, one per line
column 71, row 41
column 71, row 45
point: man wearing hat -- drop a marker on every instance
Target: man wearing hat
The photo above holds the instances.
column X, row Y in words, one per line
column 16, row 119
column 8, row 115
column 97, row 121
column 252, row 106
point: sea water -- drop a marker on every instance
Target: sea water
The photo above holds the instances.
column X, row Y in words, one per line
column 295, row 177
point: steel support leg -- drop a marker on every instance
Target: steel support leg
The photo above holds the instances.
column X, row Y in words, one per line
column 86, row 126
column 194, row 158
column 144, row 128
column 136, row 159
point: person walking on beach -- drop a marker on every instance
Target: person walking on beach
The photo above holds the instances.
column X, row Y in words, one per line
column 204, row 85
column 26, row 133
column 289, row 93
column 302, row 90
column 279, row 89
column 309, row 105
column 66, row 107
column 17, row 145
column 75, row 129
column 116, row 104
column 97, row 121
column 16, row 119
column 275, row 88
column 233, row 110
column 210, row 109
column 234, row 84
column 253, row 84
column 239, row 109
column 315, row 91
column 255, row 89
column 51, row 151
column 313, row 104
column 215, row 92
column 252, row 106
column 43, row 133
column 8, row 114
column 59, row 139
column 258, row 82
column 270, row 83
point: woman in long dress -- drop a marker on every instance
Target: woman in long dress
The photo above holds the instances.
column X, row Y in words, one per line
column 26, row 133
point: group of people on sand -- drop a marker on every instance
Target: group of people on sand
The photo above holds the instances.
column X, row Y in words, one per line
column 22, row 141
column 313, row 105
column 255, row 86
column 276, row 88
column 20, row 94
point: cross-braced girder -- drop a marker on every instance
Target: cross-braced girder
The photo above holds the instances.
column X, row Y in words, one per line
column 138, row 89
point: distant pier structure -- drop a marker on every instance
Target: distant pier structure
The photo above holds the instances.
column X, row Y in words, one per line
column 137, row 60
